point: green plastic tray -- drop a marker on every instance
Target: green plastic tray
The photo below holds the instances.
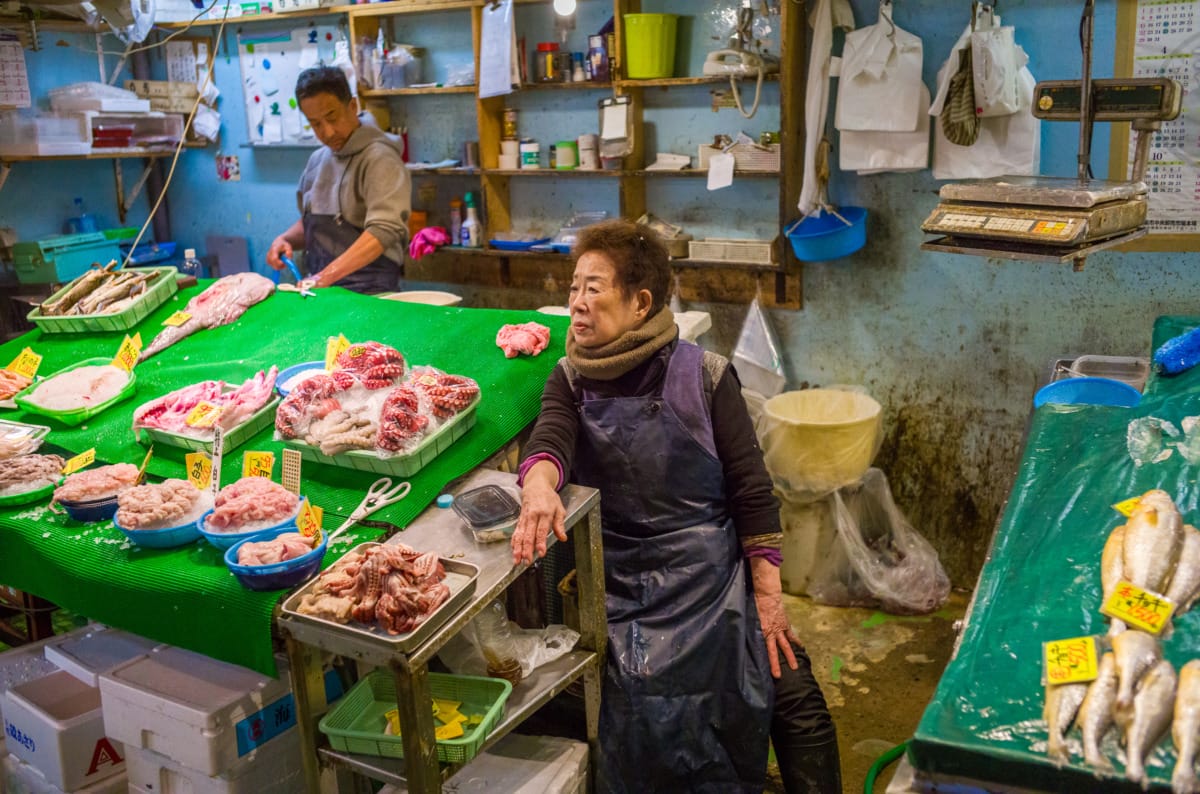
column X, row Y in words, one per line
column 79, row 415
column 27, row 497
column 259, row 420
column 398, row 465
column 164, row 287
column 357, row 722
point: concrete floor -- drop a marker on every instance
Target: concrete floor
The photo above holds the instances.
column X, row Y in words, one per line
column 877, row 671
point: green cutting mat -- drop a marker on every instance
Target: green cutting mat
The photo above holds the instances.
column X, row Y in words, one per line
column 186, row 596
column 1041, row 582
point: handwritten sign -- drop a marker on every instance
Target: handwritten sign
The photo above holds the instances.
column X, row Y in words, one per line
column 309, row 521
column 127, row 353
column 199, row 469
column 1070, row 661
column 1139, row 608
column 178, row 318
column 333, row 349
column 82, row 460
column 290, row 478
column 218, row 453
column 258, row 464
column 25, row 364
column 205, row 414
column 1126, row 507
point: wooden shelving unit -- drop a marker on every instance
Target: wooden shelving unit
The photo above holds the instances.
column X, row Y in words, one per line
column 377, row 93
column 255, row 18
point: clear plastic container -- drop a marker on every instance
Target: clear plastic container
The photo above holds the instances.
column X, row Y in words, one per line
column 546, row 62
column 490, row 512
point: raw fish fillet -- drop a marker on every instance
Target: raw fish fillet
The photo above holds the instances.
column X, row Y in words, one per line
column 220, row 304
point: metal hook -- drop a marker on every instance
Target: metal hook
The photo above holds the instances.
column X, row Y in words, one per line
column 885, row 14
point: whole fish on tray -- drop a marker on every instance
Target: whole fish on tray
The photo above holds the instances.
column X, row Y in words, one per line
column 101, row 290
column 220, row 304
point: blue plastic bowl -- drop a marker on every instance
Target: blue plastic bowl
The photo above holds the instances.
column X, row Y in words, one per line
column 92, row 510
column 223, row 540
column 287, row 374
column 280, row 575
column 821, row 237
column 1088, row 391
column 168, row 538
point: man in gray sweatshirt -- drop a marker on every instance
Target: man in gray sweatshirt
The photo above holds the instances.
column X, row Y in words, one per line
column 355, row 194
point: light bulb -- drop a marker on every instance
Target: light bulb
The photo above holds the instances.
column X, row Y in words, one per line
column 564, row 8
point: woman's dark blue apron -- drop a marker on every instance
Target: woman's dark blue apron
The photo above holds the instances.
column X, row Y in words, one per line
column 326, row 237
column 687, row 693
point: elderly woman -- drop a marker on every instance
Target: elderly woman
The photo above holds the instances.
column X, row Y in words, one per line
column 691, row 541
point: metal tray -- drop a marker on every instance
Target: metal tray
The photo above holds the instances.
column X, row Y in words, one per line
column 460, row 577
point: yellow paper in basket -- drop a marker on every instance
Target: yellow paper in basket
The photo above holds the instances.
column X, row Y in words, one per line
column 451, row 731
column 393, row 721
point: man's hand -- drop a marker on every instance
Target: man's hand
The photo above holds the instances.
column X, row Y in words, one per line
column 541, row 512
column 768, row 597
column 279, row 249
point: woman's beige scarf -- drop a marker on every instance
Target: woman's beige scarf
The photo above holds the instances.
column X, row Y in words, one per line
column 619, row 356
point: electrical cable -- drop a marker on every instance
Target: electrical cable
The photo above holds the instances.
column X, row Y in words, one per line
column 880, row 764
column 130, row 49
column 737, row 96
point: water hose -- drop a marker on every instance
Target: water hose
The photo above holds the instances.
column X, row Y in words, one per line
column 882, row 763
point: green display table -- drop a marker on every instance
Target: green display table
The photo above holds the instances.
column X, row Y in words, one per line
column 1041, row 582
column 186, row 597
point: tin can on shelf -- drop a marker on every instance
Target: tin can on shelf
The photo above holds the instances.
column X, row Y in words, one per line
column 509, row 125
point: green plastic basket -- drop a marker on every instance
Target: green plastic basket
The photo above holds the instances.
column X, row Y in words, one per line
column 259, row 420
column 357, row 723
column 78, row 415
column 399, row 465
column 164, row 287
column 27, row 497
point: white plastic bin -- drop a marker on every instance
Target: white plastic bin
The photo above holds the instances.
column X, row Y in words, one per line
column 54, row 724
column 204, row 714
column 17, row 777
column 35, row 136
column 97, row 650
column 524, row 765
column 276, row 772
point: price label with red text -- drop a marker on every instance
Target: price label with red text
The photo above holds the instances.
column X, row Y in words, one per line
column 1126, row 507
column 334, row 348
column 309, row 521
column 205, row 414
column 82, row 460
column 258, row 464
column 199, row 469
column 1070, row 661
column 1139, row 608
column 127, row 353
column 25, row 364
column 178, row 318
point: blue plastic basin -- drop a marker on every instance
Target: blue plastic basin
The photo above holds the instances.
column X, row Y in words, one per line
column 280, row 575
column 1088, row 391
column 285, row 375
column 92, row 510
column 167, row 538
column 223, row 540
column 821, row 237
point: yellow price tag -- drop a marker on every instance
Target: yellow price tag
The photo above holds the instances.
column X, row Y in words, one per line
column 1126, row 507
column 199, row 469
column 393, row 719
column 451, row 731
column 205, row 414
column 127, row 353
column 80, row 461
column 333, row 349
column 309, row 521
column 178, row 318
column 258, row 464
column 26, row 363
column 1139, row 608
column 1070, row 661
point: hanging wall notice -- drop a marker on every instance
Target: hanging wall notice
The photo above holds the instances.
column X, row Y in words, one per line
column 14, row 83
column 271, row 61
column 1166, row 43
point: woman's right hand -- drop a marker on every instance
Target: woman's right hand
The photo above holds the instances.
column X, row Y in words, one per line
column 279, row 248
column 541, row 512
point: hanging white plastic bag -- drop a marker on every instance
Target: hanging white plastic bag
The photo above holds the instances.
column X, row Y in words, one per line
column 995, row 67
column 878, row 557
column 877, row 152
column 756, row 356
column 880, row 83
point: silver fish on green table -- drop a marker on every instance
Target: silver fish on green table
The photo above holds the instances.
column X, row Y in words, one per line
column 1134, row 652
column 1185, row 730
column 1153, row 706
column 1153, row 539
column 1095, row 715
column 1112, row 564
column 78, row 289
column 1062, row 703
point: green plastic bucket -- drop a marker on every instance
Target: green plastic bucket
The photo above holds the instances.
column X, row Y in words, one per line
column 649, row 45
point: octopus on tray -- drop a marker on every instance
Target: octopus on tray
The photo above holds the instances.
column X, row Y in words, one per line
column 448, row 394
column 29, row 473
column 281, row 548
column 251, row 503
column 392, row 586
column 98, row 483
column 401, row 419
column 170, row 503
column 377, row 365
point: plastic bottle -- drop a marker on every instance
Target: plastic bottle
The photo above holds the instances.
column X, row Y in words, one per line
column 496, row 640
column 470, row 226
column 191, row 265
column 456, row 221
column 83, row 222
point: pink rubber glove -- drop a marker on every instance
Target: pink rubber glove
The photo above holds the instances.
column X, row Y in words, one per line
column 427, row 241
column 528, row 338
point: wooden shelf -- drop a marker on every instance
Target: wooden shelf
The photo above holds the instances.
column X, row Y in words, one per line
column 495, row 253
column 238, row 20
column 380, row 93
column 719, row 263
column 554, row 172
column 667, row 82
column 698, row 172
column 410, row 7
column 113, row 154
column 416, row 172
column 583, row 85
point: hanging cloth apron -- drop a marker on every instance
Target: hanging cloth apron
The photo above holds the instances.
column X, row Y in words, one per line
column 326, row 237
column 687, row 693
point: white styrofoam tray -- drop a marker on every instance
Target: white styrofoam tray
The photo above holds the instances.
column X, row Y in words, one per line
column 96, row 650
column 54, row 724
column 276, row 772
column 17, row 777
column 202, row 713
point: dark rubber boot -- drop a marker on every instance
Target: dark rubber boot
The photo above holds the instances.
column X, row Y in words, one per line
column 815, row 769
column 802, row 732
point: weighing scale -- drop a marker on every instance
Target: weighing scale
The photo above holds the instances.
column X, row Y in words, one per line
column 1056, row 219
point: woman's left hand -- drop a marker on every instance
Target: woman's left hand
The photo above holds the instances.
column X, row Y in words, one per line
column 768, row 597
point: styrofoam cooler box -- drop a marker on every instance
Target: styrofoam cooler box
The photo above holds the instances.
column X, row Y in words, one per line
column 276, row 772
column 202, row 713
column 523, row 765
column 19, row 665
column 97, row 650
column 54, row 723
column 17, row 777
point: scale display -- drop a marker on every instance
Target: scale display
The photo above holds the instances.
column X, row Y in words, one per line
column 975, row 222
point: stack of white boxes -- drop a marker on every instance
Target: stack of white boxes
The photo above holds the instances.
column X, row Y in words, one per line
column 192, row 724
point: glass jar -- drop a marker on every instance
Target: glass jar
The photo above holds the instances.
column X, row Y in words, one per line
column 545, row 62
column 509, row 130
column 562, row 67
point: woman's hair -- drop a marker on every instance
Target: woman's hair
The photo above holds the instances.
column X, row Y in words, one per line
column 323, row 80
column 640, row 258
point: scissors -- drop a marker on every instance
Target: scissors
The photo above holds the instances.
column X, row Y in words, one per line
column 379, row 495
column 301, row 287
